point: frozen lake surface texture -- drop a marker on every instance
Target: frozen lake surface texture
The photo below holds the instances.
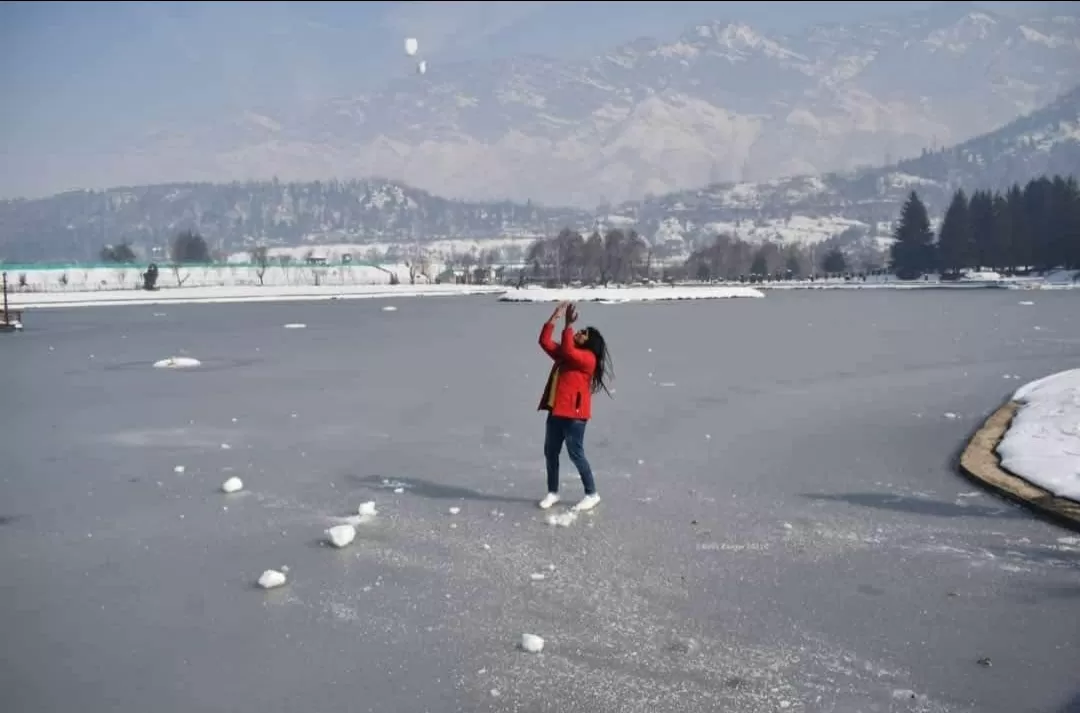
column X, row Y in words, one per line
column 781, row 526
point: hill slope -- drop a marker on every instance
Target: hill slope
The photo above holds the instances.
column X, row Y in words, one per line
column 805, row 209
column 813, row 208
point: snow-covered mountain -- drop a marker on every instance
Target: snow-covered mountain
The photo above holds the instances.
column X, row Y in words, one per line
column 376, row 213
column 863, row 203
column 721, row 102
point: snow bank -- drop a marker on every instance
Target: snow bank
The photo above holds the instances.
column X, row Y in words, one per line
column 628, row 294
column 1042, row 444
column 218, row 295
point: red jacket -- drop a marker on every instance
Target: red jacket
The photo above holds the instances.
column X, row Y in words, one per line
column 568, row 392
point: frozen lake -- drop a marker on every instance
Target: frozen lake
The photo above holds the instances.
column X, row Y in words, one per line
column 781, row 527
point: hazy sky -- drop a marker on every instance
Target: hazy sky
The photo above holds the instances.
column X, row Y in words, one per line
column 83, row 77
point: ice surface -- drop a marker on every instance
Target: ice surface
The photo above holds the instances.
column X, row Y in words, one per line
column 612, row 295
column 532, row 643
column 176, row 362
column 1042, row 444
column 623, row 589
column 271, row 578
column 341, row 535
column 232, row 485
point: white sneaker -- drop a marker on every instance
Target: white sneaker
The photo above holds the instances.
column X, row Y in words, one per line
column 549, row 500
column 587, row 503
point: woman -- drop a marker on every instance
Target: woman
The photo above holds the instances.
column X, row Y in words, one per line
column 580, row 369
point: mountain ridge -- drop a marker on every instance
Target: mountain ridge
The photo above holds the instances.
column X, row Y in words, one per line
column 720, row 101
column 807, row 208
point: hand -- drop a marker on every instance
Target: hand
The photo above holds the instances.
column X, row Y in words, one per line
column 571, row 314
column 559, row 311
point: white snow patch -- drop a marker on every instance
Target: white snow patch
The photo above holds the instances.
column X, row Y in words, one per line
column 532, row 643
column 1042, row 444
column 341, row 535
column 565, row 519
column 178, row 469
column 177, row 363
column 389, row 308
column 537, row 576
column 367, row 509
column 295, row 325
column 232, row 485
column 611, row 295
column 455, row 510
column 271, row 578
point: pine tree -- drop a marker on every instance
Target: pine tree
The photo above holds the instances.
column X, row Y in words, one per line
column 981, row 217
column 1001, row 240
column 913, row 253
column 956, row 249
column 1020, row 254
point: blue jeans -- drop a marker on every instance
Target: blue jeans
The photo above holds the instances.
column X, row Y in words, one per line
column 572, row 432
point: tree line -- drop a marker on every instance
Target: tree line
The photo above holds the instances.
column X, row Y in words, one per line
column 1036, row 227
column 621, row 257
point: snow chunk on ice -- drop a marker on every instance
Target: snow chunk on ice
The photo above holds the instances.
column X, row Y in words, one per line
column 367, row 509
column 176, row 362
column 295, row 325
column 537, row 576
column 178, row 469
column 612, row 295
column 455, row 510
column 563, row 519
column 1042, row 444
column 341, row 535
column 532, row 643
column 389, row 308
column 271, row 578
column 232, row 485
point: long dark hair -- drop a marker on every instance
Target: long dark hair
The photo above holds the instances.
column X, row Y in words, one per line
column 604, row 372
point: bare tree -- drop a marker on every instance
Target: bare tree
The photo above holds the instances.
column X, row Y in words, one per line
column 260, row 257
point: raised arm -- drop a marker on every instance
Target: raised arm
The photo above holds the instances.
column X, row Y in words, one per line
column 546, row 342
column 581, row 359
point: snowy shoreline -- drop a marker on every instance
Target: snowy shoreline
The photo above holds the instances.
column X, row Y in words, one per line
column 1042, row 444
column 225, row 295
column 613, row 295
